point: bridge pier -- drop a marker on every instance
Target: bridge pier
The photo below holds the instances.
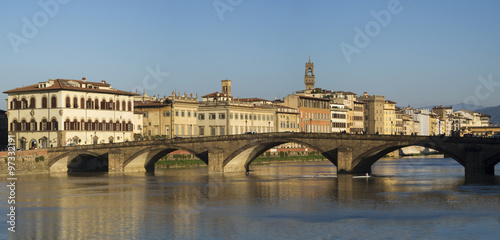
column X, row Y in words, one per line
column 345, row 163
column 215, row 160
column 475, row 163
column 116, row 158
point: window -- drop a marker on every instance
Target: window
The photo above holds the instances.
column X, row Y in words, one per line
column 183, row 113
column 24, row 103
column 118, row 105
column 96, row 104
column 66, row 125
column 129, row 106
column 75, row 102
column 44, row 102
column 189, row 113
column 54, row 126
column 177, row 113
column 222, row 116
column 33, row 125
column 53, row 102
column 201, row 116
column 82, row 103
column 201, row 130
column 212, row 116
column 221, row 129
column 32, row 103
column 103, row 104
column 166, row 114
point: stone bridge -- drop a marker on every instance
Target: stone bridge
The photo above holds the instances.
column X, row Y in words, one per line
column 234, row 153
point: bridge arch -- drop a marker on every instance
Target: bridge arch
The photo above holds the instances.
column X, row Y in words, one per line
column 241, row 159
column 145, row 159
column 78, row 161
column 362, row 162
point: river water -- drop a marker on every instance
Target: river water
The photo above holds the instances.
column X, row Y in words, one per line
column 418, row 198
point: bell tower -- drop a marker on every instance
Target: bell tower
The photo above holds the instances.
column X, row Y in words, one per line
column 226, row 87
column 309, row 78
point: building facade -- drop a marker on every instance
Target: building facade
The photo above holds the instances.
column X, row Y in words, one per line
column 339, row 117
column 65, row 112
column 374, row 113
column 314, row 112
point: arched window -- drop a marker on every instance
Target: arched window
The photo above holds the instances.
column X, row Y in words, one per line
column 89, row 104
column 32, row 102
column 32, row 125
column 24, row 126
column 103, row 104
column 24, row 103
column 67, row 124
column 55, row 125
column 111, row 105
column 118, row 126
column 74, row 125
column 124, row 126
column 96, row 104
column 81, row 125
column 124, row 106
column 43, row 125
column 68, row 102
column 129, row 106
column 118, row 105
column 53, row 102
column 103, row 125
column 75, row 102
column 14, row 126
column 13, row 104
column 129, row 126
column 82, row 103
column 44, row 102
column 89, row 125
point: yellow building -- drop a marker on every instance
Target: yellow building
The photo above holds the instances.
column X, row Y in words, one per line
column 389, row 117
column 175, row 116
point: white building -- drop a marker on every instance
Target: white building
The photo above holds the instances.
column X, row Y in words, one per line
column 64, row 112
column 338, row 118
column 422, row 117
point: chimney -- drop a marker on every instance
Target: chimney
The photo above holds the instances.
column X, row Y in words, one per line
column 84, row 79
column 103, row 81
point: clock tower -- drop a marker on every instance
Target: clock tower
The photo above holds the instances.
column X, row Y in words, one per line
column 309, row 78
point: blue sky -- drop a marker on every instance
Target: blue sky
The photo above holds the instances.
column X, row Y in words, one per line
column 428, row 53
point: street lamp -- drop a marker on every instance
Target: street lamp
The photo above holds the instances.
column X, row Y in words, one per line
column 246, row 129
column 269, row 127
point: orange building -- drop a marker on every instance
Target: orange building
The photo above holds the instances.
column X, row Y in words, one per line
column 314, row 112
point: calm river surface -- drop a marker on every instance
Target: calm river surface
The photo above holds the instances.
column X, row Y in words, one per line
column 419, row 198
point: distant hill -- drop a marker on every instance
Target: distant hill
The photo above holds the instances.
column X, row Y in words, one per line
column 494, row 112
column 459, row 106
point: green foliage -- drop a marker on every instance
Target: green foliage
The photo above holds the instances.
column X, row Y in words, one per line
column 40, row 159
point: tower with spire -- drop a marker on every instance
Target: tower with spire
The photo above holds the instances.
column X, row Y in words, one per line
column 309, row 78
